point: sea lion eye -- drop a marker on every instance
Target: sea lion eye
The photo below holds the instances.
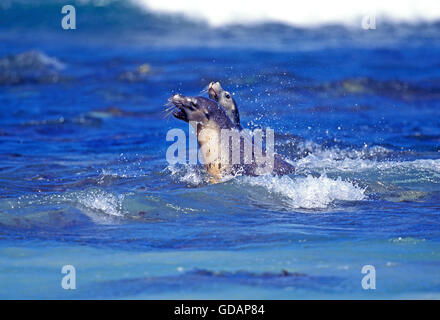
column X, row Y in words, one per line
column 227, row 95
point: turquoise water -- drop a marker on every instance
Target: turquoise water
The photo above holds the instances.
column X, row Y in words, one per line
column 84, row 180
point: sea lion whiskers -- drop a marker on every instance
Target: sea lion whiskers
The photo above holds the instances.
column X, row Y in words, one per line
column 205, row 89
column 170, row 108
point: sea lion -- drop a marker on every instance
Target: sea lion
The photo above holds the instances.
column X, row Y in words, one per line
column 211, row 122
column 224, row 98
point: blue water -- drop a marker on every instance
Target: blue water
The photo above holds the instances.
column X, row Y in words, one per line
column 84, row 180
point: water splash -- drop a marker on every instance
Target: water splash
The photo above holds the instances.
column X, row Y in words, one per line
column 101, row 201
column 90, row 202
column 308, row 192
column 189, row 174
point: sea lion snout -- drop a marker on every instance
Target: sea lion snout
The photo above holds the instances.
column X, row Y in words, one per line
column 179, row 102
column 191, row 108
column 214, row 89
column 178, row 99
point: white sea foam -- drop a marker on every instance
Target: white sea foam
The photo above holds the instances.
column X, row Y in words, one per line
column 335, row 159
column 298, row 13
column 190, row 174
column 101, row 201
column 294, row 192
column 101, row 206
column 309, row 192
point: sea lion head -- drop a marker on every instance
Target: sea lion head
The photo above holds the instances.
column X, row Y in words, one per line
column 224, row 98
column 201, row 110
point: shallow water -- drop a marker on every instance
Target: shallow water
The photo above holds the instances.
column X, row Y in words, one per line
column 84, row 179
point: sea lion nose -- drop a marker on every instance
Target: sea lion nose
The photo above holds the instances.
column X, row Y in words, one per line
column 177, row 98
column 216, row 87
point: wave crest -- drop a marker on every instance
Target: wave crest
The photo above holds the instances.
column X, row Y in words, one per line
column 309, row 192
column 305, row 14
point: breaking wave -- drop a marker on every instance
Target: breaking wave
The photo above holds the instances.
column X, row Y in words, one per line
column 101, row 201
column 309, row 192
column 304, row 14
column 97, row 204
column 325, row 176
column 29, row 67
column 293, row 192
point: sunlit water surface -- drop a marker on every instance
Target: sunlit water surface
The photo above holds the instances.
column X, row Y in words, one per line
column 84, row 180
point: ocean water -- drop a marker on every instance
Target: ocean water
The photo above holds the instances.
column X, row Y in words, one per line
column 84, row 179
